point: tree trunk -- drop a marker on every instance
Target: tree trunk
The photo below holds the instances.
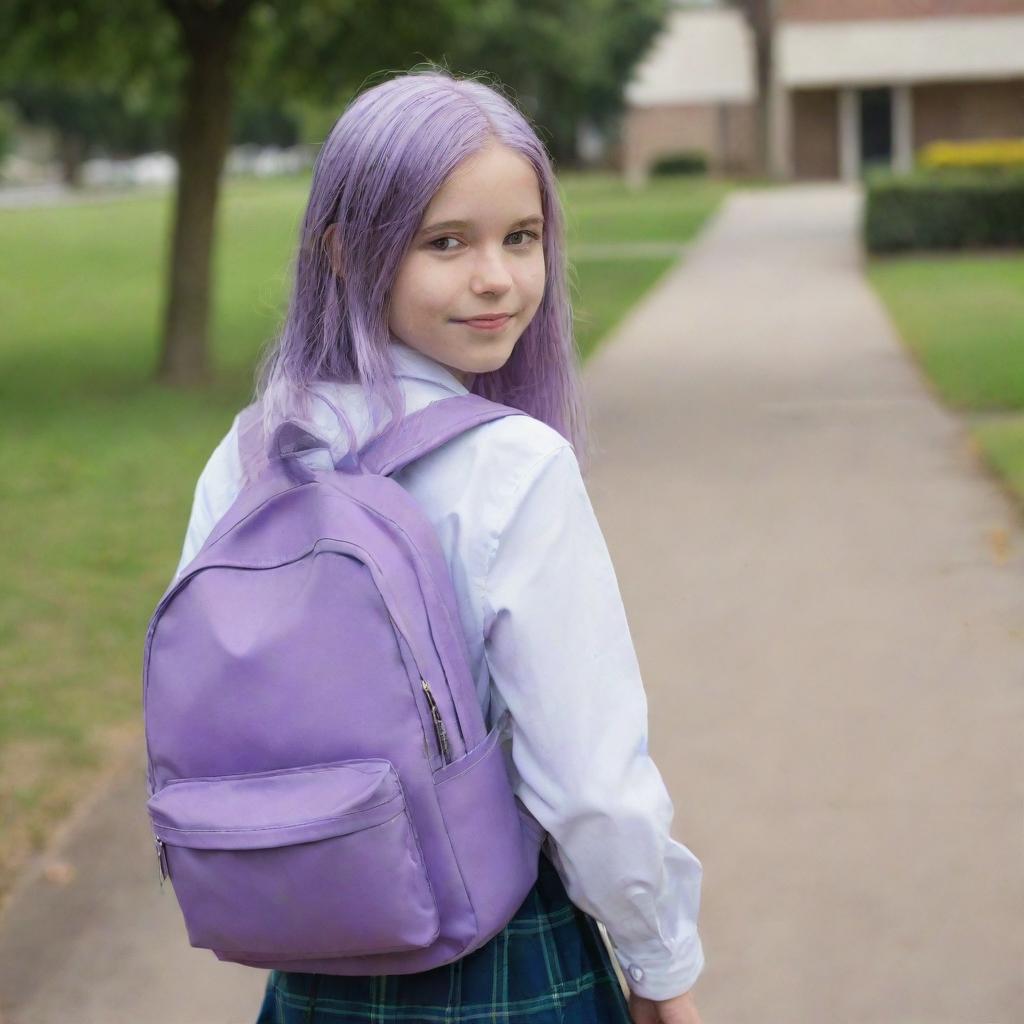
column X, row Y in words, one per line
column 204, row 128
column 764, row 106
column 70, row 156
column 761, row 14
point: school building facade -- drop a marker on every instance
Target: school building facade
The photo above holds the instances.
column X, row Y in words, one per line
column 855, row 83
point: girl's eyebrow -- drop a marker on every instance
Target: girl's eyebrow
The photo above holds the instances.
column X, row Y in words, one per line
column 465, row 223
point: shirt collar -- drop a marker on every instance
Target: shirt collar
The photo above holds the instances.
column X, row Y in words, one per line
column 410, row 362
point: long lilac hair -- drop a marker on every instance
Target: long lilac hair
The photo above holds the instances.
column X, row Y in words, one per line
column 392, row 148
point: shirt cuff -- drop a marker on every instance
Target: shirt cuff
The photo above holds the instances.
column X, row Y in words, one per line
column 656, row 975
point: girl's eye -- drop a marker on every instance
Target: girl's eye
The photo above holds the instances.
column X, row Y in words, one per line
column 531, row 234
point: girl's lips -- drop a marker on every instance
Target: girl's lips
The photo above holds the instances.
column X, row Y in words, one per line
column 486, row 325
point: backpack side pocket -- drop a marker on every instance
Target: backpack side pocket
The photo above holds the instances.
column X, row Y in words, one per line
column 496, row 851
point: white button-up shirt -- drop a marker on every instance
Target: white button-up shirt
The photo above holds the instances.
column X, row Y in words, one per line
column 548, row 639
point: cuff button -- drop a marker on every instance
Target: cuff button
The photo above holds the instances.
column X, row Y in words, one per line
column 636, row 973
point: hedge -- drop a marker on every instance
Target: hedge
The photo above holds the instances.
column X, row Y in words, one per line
column 946, row 209
column 687, row 161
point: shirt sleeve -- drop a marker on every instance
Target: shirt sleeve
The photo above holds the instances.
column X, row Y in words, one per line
column 562, row 661
column 216, row 489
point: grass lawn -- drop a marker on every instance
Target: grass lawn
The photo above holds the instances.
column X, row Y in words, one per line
column 100, row 463
column 963, row 318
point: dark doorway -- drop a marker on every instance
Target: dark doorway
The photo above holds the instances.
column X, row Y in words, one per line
column 875, row 127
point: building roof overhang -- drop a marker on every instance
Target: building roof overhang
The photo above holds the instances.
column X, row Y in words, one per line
column 887, row 51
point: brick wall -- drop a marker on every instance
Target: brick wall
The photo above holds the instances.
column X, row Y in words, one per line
column 725, row 132
column 968, row 110
column 844, row 10
column 815, row 114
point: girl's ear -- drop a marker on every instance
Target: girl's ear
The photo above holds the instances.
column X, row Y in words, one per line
column 333, row 250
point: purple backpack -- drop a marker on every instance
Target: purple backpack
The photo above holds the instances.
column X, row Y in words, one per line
column 324, row 793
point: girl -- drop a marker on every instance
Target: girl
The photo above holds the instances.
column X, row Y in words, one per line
column 432, row 263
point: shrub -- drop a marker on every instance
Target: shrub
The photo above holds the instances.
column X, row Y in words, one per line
column 688, row 161
column 951, row 209
column 984, row 154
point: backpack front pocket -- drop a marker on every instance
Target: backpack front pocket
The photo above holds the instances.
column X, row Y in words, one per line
column 315, row 861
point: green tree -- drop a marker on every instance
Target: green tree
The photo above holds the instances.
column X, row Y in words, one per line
column 86, row 121
column 200, row 51
column 568, row 61
column 565, row 59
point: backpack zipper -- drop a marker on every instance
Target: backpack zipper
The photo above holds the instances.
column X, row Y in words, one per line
column 435, row 714
column 175, row 587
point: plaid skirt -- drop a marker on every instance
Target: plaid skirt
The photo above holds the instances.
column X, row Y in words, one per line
column 548, row 965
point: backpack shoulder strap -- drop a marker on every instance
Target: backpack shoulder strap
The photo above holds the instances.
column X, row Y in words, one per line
column 428, row 428
column 254, row 449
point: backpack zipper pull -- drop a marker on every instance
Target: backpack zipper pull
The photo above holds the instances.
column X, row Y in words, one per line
column 161, row 858
column 435, row 714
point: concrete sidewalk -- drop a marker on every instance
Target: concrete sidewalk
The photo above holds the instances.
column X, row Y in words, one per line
column 830, row 627
column 833, row 647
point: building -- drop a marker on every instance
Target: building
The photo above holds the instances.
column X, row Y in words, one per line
column 694, row 90
column 855, row 83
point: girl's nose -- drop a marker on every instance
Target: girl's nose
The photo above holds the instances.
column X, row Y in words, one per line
column 490, row 274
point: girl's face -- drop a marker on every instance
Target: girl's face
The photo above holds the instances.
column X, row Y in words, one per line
column 490, row 261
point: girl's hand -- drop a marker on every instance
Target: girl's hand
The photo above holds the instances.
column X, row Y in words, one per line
column 677, row 1010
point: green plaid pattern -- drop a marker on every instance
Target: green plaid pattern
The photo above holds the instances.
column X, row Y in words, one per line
column 548, row 965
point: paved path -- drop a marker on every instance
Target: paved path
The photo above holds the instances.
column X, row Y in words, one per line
column 57, row 194
column 827, row 596
column 826, row 591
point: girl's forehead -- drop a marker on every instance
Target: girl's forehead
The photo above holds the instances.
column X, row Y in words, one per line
column 488, row 170
column 501, row 185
